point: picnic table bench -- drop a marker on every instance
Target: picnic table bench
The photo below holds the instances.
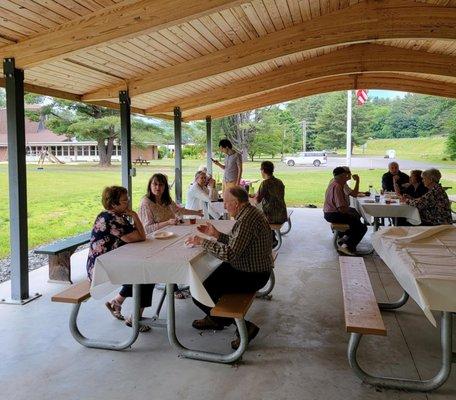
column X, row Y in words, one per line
column 141, row 161
column 278, row 229
column 59, row 256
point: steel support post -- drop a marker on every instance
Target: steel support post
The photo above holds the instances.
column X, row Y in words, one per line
column 17, row 178
column 178, row 154
column 209, row 144
column 125, row 141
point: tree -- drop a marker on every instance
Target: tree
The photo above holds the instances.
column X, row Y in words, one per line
column 268, row 133
column 451, row 140
column 91, row 122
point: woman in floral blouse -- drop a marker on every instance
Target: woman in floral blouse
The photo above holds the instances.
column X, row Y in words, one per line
column 157, row 209
column 110, row 231
column 434, row 206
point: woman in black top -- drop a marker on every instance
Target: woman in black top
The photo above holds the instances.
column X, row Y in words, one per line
column 415, row 188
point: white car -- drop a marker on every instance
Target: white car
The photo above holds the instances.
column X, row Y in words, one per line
column 315, row 158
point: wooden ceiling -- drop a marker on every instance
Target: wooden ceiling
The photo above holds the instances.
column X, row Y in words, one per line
column 218, row 57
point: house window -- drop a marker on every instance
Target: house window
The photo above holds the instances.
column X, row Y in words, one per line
column 92, row 150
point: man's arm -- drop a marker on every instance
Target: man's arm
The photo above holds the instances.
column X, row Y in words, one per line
column 218, row 163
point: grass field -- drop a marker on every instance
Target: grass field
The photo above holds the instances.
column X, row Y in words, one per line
column 63, row 200
column 430, row 149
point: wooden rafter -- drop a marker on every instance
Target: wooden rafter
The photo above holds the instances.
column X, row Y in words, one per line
column 355, row 58
column 114, row 23
column 389, row 81
column 362, row 22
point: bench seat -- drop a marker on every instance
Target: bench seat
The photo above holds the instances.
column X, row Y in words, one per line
column 362, row 314
column 233, row 305
column 60, row 254
column 75, row 294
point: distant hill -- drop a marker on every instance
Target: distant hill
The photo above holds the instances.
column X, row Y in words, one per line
column 423, row 148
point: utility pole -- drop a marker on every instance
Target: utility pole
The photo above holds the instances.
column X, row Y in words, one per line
column 304, row 135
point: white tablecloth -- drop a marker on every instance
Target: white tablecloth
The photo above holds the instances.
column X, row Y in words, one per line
column 368, row 209
column 423, row 260
column 158, row 260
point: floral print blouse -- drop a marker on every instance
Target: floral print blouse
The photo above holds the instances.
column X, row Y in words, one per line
column 434, row 207
column 151, row 214
column 106, row 233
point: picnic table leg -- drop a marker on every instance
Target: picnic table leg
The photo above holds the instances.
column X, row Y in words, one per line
column 264, row 292
column 198, row 354
column 409, row 384
column 108, row 344
column 395, row 304
column 288, row 221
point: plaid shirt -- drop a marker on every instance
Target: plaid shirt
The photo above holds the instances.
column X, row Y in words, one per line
column 248, row 247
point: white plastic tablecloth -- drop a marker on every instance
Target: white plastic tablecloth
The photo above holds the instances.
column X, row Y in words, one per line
column 423, row 260
column 368, row 209
column 158, row 261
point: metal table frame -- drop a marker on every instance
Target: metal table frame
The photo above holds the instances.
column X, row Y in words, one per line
column 448, row 356
column 171, row 329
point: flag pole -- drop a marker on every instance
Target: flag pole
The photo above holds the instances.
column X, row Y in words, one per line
column 349, row 126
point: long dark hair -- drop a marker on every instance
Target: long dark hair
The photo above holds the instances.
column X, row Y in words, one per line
column 166, row 198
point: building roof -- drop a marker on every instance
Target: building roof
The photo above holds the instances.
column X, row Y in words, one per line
column 220, row 57
column 34, row 132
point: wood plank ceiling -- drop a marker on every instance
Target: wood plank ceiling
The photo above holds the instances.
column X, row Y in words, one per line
column 219, row 57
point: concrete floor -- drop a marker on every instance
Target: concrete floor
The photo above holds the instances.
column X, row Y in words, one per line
column 300, row 352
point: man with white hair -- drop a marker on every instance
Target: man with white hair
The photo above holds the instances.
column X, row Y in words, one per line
column 337, row 210
column 394, row 175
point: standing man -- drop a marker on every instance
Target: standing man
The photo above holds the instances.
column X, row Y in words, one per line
column 232, row 167
column 393, row 177
column 336, row 210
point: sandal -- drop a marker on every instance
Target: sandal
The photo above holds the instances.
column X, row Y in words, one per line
column 142, row 328
column 115, row 309
column 182, row 294
column 207, row 323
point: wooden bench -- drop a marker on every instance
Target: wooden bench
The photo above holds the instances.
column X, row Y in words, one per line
column 362, row 314
column 75, row 294
column 59, row 256
column 336, row 229
column 233, row 305
column 141, row 161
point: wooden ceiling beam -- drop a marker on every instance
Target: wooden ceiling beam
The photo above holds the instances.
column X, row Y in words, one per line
column 388, row 81
column 353, row 59
column 362, row 22
column 111, row 24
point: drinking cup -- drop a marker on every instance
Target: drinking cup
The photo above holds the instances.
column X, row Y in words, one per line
column 192, row 221
column 377, row 198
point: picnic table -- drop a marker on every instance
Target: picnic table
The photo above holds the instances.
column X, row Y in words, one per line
column 140, row 161
column 372, row 211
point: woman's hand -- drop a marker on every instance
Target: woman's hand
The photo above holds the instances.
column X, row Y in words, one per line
column 211, row 183
column 172, row 221
column 209, row 230
column 194, row 240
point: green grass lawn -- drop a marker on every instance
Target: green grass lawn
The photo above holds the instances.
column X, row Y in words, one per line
column 63, row 200
column 430, row 149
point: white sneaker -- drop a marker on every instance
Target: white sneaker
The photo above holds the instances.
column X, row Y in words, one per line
column 344, row 249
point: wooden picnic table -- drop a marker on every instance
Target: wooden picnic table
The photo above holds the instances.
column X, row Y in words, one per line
column 141, row 161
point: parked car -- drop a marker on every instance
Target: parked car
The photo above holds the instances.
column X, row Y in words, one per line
column 315, row 158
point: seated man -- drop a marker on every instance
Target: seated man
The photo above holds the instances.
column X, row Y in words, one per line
column 246, row 253
column 393, row 175
column 336, row 210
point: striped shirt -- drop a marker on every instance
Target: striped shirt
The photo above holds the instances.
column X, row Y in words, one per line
column 248, row 247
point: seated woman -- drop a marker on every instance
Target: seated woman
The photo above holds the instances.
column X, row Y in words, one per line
column 271, row 195
column 414, row 189
column 434, row 206
column 110, row 231
column 199, row 196
column 157, row 209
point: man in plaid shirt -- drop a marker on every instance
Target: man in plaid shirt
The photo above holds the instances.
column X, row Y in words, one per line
column 246, row 254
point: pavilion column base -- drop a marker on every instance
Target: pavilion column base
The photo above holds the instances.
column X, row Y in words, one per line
column 14, row 302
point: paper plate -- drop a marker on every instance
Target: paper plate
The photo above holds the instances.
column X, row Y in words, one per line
column 163, row 235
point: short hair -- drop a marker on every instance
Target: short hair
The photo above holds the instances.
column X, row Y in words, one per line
column 225, row 143
column 267, row 167
column 198, row 173
column 393, row 163
column 111, row 196
column 433, row 174
column 417, row 173
column 339, row 171
column 166, row 197
column 239, row 193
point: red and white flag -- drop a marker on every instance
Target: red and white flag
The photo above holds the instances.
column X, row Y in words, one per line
column 361, row 95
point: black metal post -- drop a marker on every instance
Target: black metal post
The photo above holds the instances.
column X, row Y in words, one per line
column 209, row 144
column 178, row 153
column 125, row 141
column 14, row 84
